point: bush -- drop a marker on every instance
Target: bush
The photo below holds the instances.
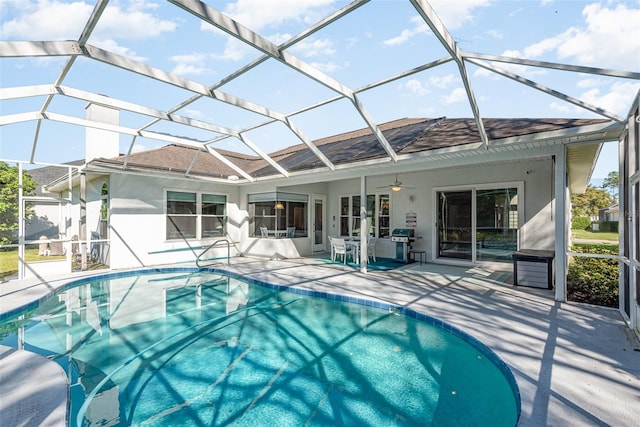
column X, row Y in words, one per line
column 580, row 223
column 594, row 280
column 609, row 226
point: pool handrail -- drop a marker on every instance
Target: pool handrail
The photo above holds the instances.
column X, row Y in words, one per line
column 213, row 245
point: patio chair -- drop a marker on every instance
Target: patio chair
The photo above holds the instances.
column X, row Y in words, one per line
column 371, row 248
column 96, row 250
column 291, row 232
column 264, row 232
column 56, row 248
column 331, row 246
column 75, row 249
column 339, row 247
column 43, row 247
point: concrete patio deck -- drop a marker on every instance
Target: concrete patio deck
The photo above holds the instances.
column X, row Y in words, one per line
column 575, row 364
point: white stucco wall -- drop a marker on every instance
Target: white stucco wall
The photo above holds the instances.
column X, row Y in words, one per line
column 538, row 228
column 138, row 221
column 137, row 210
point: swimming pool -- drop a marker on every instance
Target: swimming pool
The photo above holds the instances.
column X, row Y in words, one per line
column 187, row 347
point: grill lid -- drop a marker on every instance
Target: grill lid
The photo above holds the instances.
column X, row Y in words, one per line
column 403, row 232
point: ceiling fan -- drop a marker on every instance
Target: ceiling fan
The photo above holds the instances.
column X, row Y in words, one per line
column 396, row 185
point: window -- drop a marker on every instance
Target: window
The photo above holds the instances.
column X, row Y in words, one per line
column 279, row 214
column 213, row 215
column 377, row 215
column 103, row 227
column 195, row 215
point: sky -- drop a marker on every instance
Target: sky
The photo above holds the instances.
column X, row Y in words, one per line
column 378, row 40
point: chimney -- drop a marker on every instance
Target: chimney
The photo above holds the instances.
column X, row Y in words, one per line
column 98, row 142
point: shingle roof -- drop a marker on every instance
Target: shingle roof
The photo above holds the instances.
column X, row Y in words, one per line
column 405, row 136
column 48, row 174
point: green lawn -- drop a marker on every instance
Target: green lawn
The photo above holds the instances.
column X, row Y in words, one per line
column 607, row 236
column 9, row 260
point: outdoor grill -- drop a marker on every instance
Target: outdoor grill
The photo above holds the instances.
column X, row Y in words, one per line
column 403, row 238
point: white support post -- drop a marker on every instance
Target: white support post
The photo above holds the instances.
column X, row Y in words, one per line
column 561, row 224
column 364, row 227
column 83, row 220
column 21, row 223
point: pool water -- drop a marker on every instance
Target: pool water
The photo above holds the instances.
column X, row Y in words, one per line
column 193, row 348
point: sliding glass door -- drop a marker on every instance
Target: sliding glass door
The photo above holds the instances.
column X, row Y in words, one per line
column 496, row 224
column 478, row 224
column 454, row 224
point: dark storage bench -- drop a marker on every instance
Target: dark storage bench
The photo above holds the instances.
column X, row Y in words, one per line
column 533, row 267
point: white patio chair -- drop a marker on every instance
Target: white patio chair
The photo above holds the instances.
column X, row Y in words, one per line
column 43, row 247
column 340, row 248
column 371, row 248
column 264, row 232
column 291, row 232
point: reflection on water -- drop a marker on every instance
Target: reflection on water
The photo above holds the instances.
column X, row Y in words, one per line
column 205, row 349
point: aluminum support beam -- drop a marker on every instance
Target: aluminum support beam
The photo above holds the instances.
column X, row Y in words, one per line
column 548, row 90
column 442, row 34
column 244, row 34
column 554, row 65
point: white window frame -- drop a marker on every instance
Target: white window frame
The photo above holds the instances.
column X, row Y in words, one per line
column 375, row 216
column 198, row 215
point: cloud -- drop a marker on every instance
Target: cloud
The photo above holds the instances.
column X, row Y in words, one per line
column 590, row 82
column 327, row 67
column 57, row 20
column 610, row 37
column 616, row 98
column 456, row 95
column 113, row 46
column 454, row 15
column 521, row 70
column 562, row 108
column 138, row 148
column 191, row 64
column 416, row 87
column 42, row 20
column 251, row 14
column 134, row 23
column 418, row 26
column 444, row 81
column 193, row 113
column 314, row 48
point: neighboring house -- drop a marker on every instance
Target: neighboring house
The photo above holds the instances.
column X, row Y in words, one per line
column 48, row 212
column 468, row 202
column 610, row 213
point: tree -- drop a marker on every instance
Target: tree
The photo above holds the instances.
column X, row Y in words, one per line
column 611, row 183
column 9, row 200
column 590, row 202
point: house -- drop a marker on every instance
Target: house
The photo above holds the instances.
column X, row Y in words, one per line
column 610, row 213
column 47, row 217
column 466, row 203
